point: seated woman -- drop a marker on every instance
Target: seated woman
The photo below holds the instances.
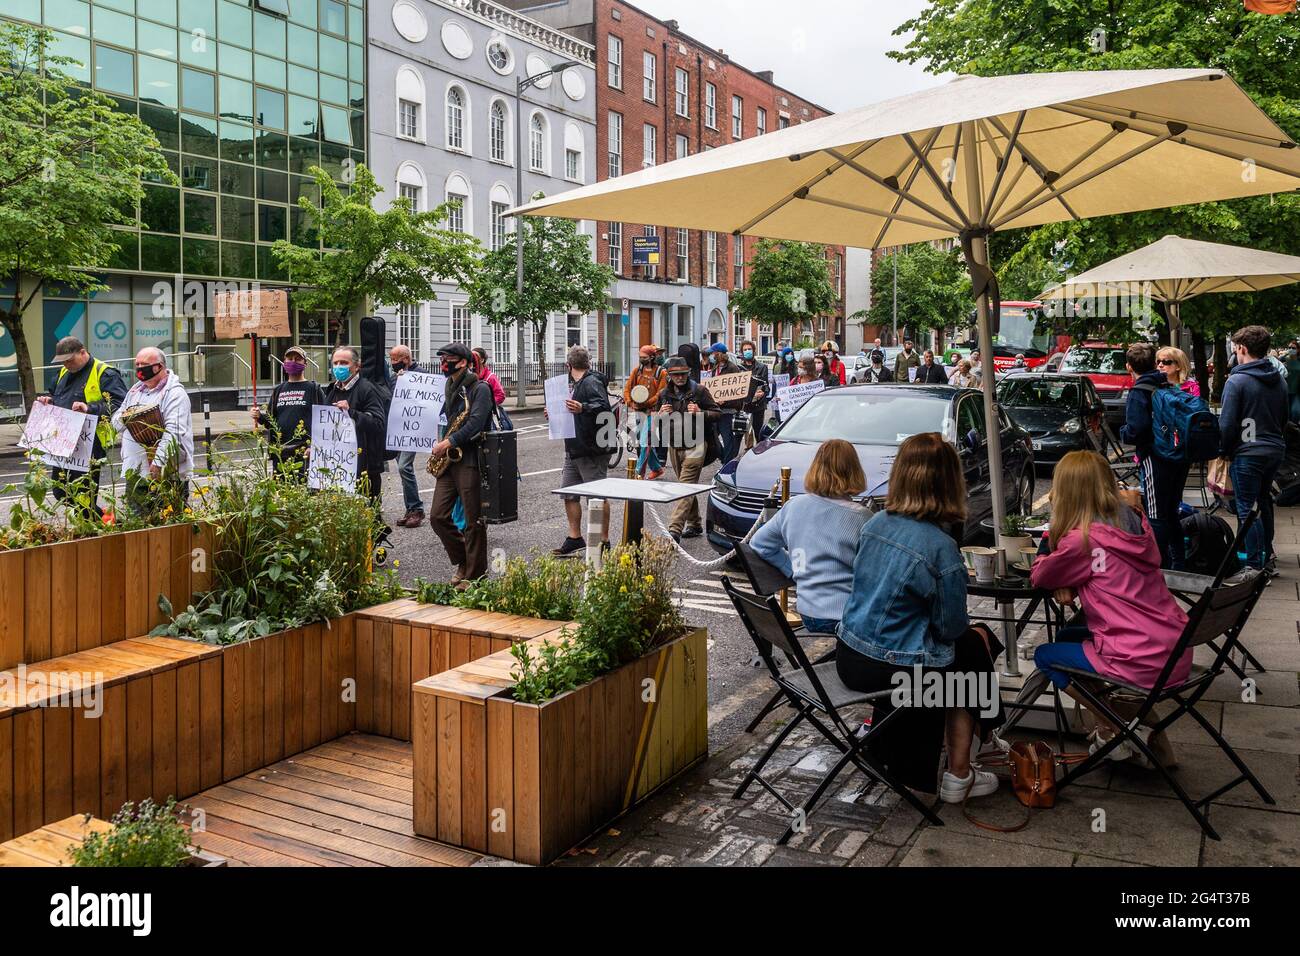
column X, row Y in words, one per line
column 1103, row 551
column 814, row 537
column 906, row 620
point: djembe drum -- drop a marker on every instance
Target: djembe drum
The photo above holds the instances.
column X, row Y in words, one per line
column 145, row 425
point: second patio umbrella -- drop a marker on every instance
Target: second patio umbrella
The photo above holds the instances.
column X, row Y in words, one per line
column 963, row 160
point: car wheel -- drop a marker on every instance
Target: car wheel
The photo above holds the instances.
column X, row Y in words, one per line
column 1025, row 492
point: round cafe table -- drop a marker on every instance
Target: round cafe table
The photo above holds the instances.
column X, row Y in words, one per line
column 1005, row 595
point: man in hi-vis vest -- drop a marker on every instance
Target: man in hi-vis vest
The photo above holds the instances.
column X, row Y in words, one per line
column 85, row 385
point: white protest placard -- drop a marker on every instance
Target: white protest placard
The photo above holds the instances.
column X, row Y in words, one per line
column 53, row 430
column 334, row 451
column 558, row 415
column 79, row 460
column 728, row 388
column 414, row 416
column 792, row 397
column 779, row 382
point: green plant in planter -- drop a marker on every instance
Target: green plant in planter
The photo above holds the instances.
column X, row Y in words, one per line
column 142, row 835
column 1014, row 525
column 557, row 669
column 546, row 587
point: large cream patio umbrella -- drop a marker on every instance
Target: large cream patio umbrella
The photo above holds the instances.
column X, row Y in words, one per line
column 963, row 160
column 1173, row 270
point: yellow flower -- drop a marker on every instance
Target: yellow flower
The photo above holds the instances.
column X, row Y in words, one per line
column 649, row 579
column 397, row 564
column 623, row 589
column 625, row 560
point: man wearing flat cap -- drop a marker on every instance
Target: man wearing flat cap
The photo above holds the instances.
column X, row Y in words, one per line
column 85, row 384
column 467, row 410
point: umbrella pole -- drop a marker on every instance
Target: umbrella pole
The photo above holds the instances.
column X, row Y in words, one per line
column 980, row 256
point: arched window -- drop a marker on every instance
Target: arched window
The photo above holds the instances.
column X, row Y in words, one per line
column 537, row 143
column 410, row 185
column 456, row 119
column 575, row 164
column 497, row 122
column 410, row 104
column 458, row 191
column 499, row 199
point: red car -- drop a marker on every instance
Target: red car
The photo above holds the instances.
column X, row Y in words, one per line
column 1106, row 366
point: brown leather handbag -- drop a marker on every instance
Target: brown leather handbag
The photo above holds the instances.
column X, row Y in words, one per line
column 1033, row 779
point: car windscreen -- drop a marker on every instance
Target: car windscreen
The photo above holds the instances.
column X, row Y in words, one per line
column 882, row 418
column 1039, row 393
column 1097, row 361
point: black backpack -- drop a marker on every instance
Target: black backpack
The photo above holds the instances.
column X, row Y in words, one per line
column 1209, row 542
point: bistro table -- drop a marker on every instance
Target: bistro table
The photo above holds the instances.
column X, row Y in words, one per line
column 637, row 494
column 1005, row 593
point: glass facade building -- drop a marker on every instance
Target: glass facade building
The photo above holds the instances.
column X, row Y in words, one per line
column 245, row 96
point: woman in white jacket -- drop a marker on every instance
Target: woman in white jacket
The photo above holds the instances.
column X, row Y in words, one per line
column 158, row 385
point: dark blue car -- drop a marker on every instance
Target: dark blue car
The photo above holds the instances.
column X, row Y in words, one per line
column 876, row 419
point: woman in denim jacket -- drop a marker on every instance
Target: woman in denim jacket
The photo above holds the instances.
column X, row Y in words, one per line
column 906, row 623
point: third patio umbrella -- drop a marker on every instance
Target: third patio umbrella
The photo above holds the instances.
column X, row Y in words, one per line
column 1173, row 270
column 962, row 160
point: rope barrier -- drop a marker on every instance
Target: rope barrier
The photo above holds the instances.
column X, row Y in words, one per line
column 706, row 565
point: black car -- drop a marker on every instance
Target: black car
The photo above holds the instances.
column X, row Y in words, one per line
column 875, row 419
column 1062, row 413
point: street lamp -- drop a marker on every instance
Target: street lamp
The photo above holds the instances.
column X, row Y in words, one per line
column 522, row 84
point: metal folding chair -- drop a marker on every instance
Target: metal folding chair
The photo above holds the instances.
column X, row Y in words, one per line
column 1221, row 611
column 817, row 696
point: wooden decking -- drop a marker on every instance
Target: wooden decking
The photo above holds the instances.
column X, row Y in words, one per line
column 344, row 803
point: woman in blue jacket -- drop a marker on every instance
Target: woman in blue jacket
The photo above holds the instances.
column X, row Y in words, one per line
column 905, row 627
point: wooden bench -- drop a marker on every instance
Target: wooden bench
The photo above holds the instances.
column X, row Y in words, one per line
column 85, row 732
column 51, row 845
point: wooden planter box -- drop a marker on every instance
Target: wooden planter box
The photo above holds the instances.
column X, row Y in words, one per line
column 526, row 782
column 58, row 599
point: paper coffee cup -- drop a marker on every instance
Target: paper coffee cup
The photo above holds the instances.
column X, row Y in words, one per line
column 968, row 555
column 1027, row 557
column 911, row 374
column 986, row 565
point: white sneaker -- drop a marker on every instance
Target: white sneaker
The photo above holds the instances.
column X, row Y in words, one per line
column 1124, row 751
column 979, row 783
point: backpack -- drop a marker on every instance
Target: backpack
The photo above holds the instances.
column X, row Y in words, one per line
column 1209, row 542
column 1183, row 426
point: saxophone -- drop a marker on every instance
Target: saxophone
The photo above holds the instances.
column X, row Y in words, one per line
column 439, row 463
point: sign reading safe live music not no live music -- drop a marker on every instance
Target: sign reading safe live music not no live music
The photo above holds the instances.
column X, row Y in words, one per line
column 260, row 312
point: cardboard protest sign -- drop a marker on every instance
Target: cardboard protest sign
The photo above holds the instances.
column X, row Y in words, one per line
column 52, row 430
column 260, row 312
column 779, row 382
column 82, row 450
column 792, row 397
column 332, row 463
column 558, row 416
column 728, row 388
column 416, row 412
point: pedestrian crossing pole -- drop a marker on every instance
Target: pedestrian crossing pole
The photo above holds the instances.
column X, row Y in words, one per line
column 785, row 496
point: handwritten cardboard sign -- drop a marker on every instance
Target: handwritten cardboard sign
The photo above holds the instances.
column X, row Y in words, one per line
column 728, row 388
column 52, row 430
column 793, row 397
column 260, row 312
column 558, row 417
column 416, row 411
column 83, row 441
column 332, row 463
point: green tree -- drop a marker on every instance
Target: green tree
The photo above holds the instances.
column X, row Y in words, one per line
column 789, row 282
column 394, row 257
column 933, row 289
column 998, row 37
column 560, row 274
column 70, row 169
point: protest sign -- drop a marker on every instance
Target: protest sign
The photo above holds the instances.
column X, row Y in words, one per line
column 792, row 397
column 414, row 416
column 334, row 450
column 260, row 312
column 778, row 382
column 52, row 430
column 728, row 388
column 83, row 449
column 558, row 415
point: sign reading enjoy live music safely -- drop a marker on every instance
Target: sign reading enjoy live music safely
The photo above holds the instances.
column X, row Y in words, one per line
column 260, row 312
column 332, row 463
column 728, row 388
column 64, row 438
column 414, row 416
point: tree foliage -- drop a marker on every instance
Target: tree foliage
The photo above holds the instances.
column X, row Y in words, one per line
column 933, row 289
column 998, row 37
column 394, row 257
column 560, row 275
column 70, row 169
column 789, row 282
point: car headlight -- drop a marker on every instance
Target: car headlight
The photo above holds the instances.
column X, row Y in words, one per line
column 1072, row 426
column 724, row 490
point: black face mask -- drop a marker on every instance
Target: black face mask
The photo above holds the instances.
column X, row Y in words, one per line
column 147, row 372
column 400, row 366
column 451, row 368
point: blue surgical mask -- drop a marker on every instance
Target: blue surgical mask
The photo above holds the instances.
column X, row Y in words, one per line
column 749, row 353
column 342, row 373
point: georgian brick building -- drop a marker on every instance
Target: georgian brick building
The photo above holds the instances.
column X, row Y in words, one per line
column 662, row 94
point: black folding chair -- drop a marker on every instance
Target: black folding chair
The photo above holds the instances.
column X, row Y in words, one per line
column 1221, row 611
column 817, row 696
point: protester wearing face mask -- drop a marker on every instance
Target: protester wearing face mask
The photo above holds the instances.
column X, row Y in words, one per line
column 365, row 405
column 720, row 363
column 466, row 395
column 172, row 460
column 401, row 361
column 876, row 372
column 650, row 376
column 831, row 353
column 287, row 417
column 907, row 359
column 824, row 373
column 760, row 388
